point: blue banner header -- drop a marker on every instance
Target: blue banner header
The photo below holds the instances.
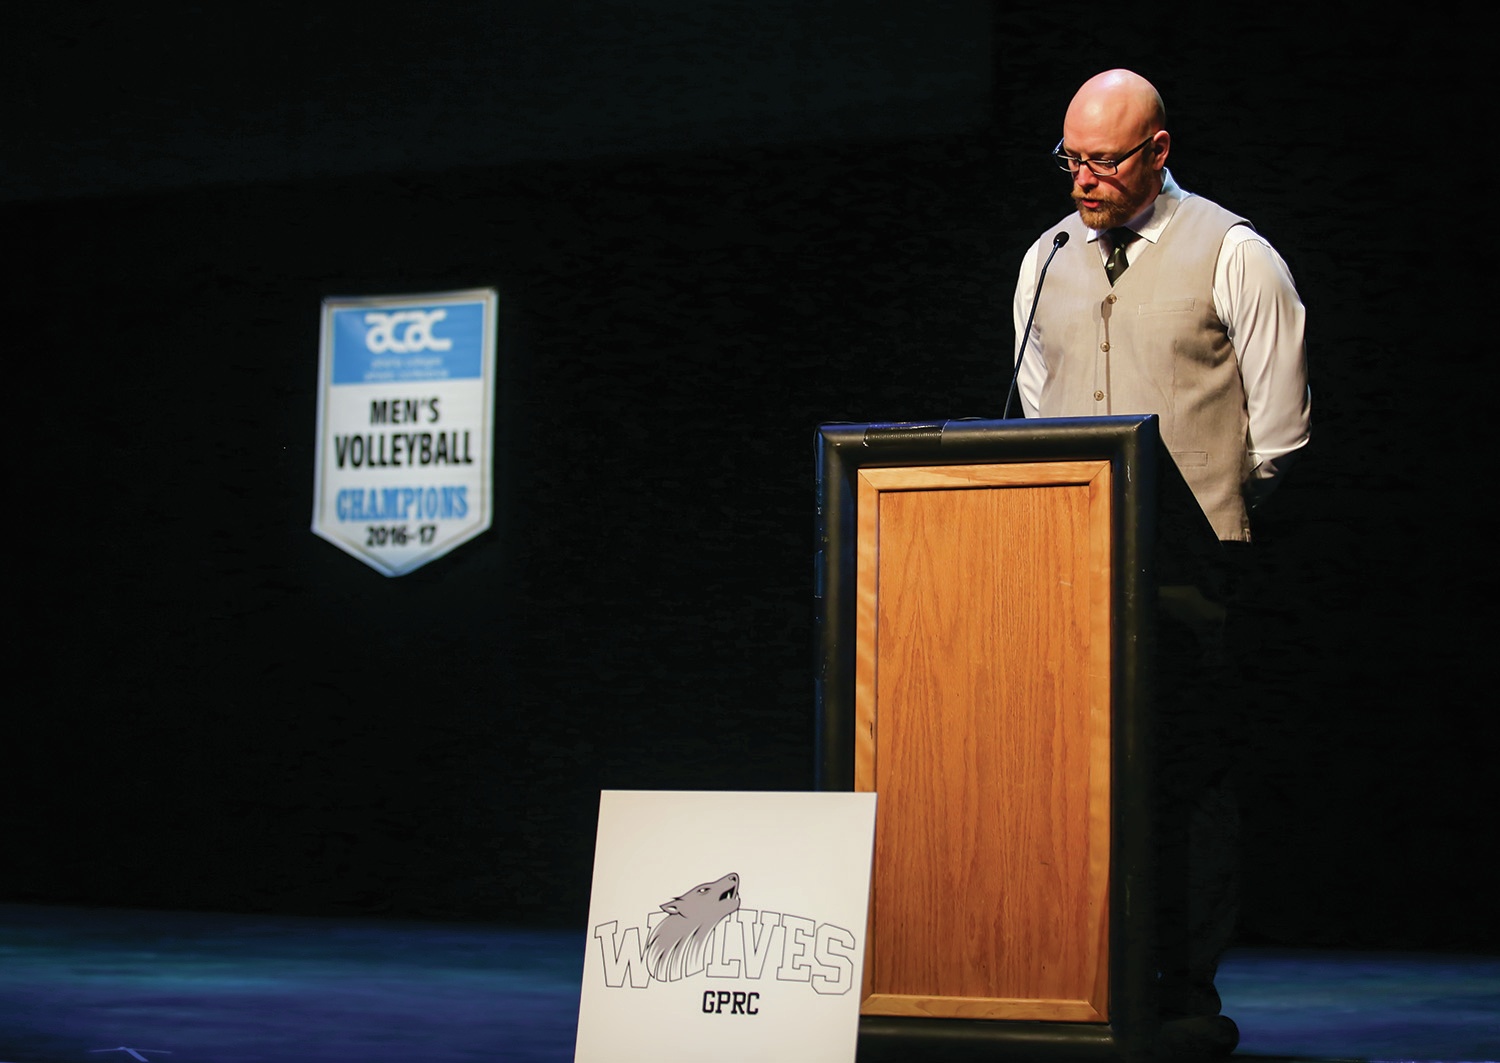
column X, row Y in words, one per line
column 406, row 343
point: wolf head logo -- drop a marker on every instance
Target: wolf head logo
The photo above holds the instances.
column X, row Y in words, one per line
column 677, row 942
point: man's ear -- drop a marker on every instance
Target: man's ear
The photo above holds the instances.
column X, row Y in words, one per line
column 1161, row 147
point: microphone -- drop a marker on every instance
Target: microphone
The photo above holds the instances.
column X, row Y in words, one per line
column 1057, row 242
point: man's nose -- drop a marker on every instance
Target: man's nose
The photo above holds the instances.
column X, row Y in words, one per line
column 1085, row 178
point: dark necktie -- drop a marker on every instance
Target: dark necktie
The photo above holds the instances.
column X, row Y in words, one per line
column 1117, row 262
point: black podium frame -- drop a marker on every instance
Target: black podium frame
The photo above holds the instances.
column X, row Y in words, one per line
column 1157, row 526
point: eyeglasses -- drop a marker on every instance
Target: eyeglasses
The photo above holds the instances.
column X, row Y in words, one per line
column 1097, row 167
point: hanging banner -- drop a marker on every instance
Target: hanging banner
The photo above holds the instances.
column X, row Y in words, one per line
column 726, row 926
column 406, row 390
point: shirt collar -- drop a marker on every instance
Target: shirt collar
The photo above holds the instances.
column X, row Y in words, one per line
column 1150, row 223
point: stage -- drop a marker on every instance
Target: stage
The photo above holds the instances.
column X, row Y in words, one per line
column 95, row 984
column 711, row 228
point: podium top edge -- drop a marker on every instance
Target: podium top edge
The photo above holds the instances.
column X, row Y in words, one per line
column 1092, row 430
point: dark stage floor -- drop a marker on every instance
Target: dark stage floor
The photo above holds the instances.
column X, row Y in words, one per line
column 81, row 985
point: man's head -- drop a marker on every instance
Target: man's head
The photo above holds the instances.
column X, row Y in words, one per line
column 1111, row 114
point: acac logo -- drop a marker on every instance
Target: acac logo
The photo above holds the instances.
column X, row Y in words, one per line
column 404, row 331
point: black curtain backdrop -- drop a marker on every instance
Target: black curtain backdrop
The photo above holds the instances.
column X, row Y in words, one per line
column 211, row 708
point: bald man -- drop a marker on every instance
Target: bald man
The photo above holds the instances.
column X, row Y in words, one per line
column 1203, row 327
column 1163, row 302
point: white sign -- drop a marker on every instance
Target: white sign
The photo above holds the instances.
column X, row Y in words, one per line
column 726, row 926
column 405, row 425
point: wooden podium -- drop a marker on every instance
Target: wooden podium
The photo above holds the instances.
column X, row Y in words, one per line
column 986, row 592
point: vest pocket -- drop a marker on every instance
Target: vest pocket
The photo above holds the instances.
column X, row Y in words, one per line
column 1190, row 459
column 1174, row 306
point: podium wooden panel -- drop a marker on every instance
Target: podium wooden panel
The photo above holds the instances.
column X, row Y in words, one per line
column 985, row 616
column 982, row 720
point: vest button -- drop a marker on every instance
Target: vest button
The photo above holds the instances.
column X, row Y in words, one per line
column 1104, row 346
column 1110, row 298
column 1098, row 396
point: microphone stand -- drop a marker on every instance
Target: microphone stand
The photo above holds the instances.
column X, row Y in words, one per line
column 1057, row 242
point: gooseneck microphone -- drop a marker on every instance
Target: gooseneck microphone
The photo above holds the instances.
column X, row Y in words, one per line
column 1057, row 242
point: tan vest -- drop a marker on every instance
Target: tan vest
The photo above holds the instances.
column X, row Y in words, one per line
column 1153, row 344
